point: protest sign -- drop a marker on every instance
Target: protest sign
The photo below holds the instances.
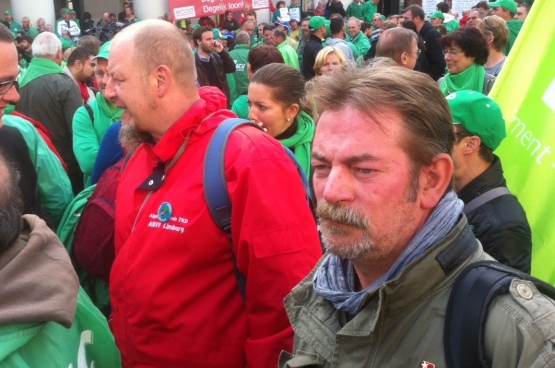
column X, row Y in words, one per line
column 184, row 9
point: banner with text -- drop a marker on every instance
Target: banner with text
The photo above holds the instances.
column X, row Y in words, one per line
column 185, row 9
column 525, row 89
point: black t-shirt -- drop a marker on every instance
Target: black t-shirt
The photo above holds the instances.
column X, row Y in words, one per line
column 15, row 150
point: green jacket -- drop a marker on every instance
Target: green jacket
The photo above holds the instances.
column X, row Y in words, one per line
column 289, row 55
column 32, row 32
column 241, row 107
column 400, row 324
column 452, row 25
column 87, row 135
column 52, row 180
column 514, row 26
column 369, row 10
column 361, row 44
column 240, row 55
column 46, row 319
column 355, row 10
column 301, row 142
column 15, row 27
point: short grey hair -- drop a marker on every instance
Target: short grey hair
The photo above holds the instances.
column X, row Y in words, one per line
column 359, row 22
column 46, row 45
column 242, row 38
column 25, row 18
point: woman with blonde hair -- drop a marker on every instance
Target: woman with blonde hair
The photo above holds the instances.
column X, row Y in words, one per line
column 329, row 59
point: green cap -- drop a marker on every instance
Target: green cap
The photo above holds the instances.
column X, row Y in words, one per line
column 317, row 22
column 196, row 26
column 72, row 12
column 104, row 51
column 8, row 12
column 436, row 14
column 508, row 4
column 218, row 35
column 480, row 115
column 66, row 11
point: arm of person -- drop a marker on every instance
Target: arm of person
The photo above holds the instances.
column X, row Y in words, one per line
column 228, row 63
column 363, row 45
column 85, row 141
column 274, row 237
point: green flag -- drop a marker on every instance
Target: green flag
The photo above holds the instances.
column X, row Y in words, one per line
column 525, row 90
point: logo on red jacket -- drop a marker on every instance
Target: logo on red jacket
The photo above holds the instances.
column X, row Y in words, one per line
column 165, row 212
column 426, row 364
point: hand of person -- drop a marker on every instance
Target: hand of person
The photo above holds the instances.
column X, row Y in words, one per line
column 218, row 47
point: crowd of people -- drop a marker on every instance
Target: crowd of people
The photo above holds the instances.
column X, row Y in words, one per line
column 359, row 187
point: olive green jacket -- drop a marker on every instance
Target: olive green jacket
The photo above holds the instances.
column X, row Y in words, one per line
column 400, row 324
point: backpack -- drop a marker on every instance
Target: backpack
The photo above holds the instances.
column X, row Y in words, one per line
column 215, row 183
column 472, row 293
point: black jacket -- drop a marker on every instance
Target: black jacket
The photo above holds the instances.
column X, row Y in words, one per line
column 431, row 61
column 311, row 49
column 223, row 64
column 500, row 224
column 337, row 7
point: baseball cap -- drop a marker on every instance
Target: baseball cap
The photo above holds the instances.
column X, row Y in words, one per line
column 283, row 24
column 436, row 14
column 8, row 12
column 480, row 115
column 218, row 35
column 72, row 12
column 104, row 51
column 66, row 11
column 196, row 26
column 508, row 4
column 317, row 22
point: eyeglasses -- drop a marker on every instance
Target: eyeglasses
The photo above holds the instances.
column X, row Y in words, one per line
column 417, row 52
column 6, row 86
column 464, row 134
column 452, row 52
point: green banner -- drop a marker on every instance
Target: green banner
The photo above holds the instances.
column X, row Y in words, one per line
column 525, row 90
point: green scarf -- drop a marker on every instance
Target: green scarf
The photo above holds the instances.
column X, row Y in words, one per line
column 38, row 68
column 300, row 141
column 470, row 79
column 112, row 112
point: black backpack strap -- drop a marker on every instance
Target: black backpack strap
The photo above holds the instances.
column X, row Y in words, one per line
column 91, row 113
column 484, row 198
column 467, row 308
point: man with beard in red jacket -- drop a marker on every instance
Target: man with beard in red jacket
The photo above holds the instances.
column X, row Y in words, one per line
column 175, row 297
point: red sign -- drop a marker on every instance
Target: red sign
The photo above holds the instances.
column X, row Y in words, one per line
column 184, row 9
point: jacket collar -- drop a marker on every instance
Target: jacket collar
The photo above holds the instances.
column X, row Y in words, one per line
column 489, row 179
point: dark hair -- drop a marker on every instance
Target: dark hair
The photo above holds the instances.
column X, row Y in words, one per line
column 364, row 26
column 19, row 39
column 90, row 42
column 11, row 205
column 482, row 5
column 484, row 152
column 5, row 34
column 525, row 6
column 408, row 24
column 268, row 27
column 279, row 33
column 441, row 29
column 416, row 11
column 279, row 3
column 87, row 15
column 443, row 7
column 81, row 54
column 286, row 83
column 197, row 33
column 293, row 21
column 113, row 15
column 336, row 25
column 227, row 12
column 263, row 55
column 471, row 42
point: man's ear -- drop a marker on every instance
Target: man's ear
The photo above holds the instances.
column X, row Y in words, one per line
column 163, row 78
column 434, row 180
column 471, row 144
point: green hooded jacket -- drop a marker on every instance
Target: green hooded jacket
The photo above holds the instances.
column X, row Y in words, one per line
column 46, row 319
column 240, row 55
column 289, row 55
column 301, row 142
column 355, row 10
column 369, row 10
column 514, row 26
column 52, row 181
column 87, row 135
column 241, row 106
column 361, row 44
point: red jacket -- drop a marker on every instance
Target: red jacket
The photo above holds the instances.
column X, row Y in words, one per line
column 175, row 301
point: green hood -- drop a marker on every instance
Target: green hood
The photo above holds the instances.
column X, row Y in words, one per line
column 301, row 141
column 38, row 68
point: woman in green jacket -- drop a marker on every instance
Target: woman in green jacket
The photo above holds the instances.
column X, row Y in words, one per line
column 275, row 95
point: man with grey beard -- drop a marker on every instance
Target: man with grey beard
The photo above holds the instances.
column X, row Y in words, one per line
column 395, row 235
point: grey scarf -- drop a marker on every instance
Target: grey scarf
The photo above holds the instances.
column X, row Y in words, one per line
column 335, row 279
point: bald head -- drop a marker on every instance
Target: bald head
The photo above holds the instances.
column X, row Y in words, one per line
column 156, row 43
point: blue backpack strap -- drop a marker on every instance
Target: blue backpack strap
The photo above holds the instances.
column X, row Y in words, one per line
column 214, row 180
column 465, row 318
column 215, row 186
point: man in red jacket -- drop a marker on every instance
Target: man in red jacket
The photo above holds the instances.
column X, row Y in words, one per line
column 175, row 298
